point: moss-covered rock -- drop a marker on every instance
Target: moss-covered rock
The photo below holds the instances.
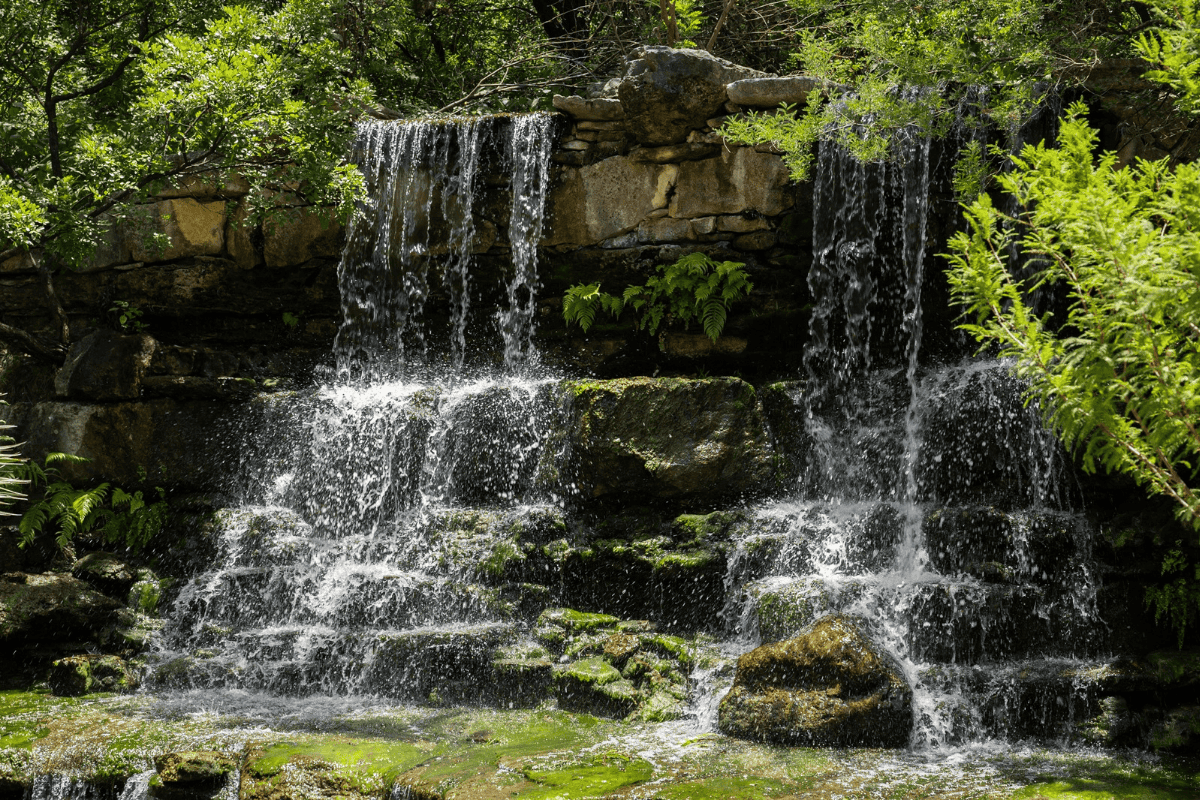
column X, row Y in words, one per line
column 669, row 437
column 439, row 665
column 78, row 675
column 191, row 775
column 829, row 686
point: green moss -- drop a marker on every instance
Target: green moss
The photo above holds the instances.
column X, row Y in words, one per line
column 594, row 671
column 594, row 778
column 366, row 756
column 577, row 621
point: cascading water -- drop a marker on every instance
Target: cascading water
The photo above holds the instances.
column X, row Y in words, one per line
column 353, row 548
column 931, row 502
column 934, row 504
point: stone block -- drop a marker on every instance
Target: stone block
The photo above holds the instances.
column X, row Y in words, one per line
column 770, row 92
column 738, row 181
column 674, row 153
column 599, row 109
column 665, row 229
column 239, row 239
column 669, row 437
column 176, row 228
column 104, row 366
column 738, row 224
column 292, row 238
column 603, row 200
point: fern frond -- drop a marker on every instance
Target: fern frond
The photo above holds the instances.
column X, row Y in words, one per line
column 713, row 318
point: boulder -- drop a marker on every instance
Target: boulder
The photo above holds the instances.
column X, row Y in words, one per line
column 105, row 366
column 106, row 573
column 674, row 153
column 829, row 686
column 599, row 109
column 740, row 180
column 669, row 437
column 439, row 665
column 666, row 93
column 770, row 92
column 79, row 675
column 176, row 228
column 605, row 199
column 53, row 609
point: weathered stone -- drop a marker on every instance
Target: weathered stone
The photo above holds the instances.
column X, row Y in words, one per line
column 52, row 608
column 113, row 247
column 291, row 238
column 598, row 109
column 104, row 365
column 738, row 224
column 176, row 228
column 594, row 686
column 665, row 229
column 574, row 144
column 22, row 262
column 194, row 387
column 439, row 665
column 669, row 437
column 170, row 443
column 668, row 92
column 106, row 572
column 79, row 675
column 758, row 240
column 239, row 239
column 767, row 92
column 208, row 185
column 738, row 181
column 191, row 775
column 829, row 686
column 605, row 199
column 674, row 153
column 592, row 125
column 697, row 345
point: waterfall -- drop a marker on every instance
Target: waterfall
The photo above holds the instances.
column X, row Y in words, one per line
column 419, row 218
column 373, row 506
column 935, row 504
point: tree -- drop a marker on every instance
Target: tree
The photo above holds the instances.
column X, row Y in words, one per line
column 103, row 102
column 889, row 65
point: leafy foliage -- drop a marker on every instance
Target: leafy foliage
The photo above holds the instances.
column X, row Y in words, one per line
column 693, row 289
column 1119, row 377
column 889, row 65
column 119, row 516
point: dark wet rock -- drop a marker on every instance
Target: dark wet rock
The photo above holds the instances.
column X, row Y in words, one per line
column 106, row 572
column 439, row 665
column 1001, row 546
column 104, row 366
column 669, row 437
column 191, row 775
column 79, row 675
column 829, row 686
column 54, row 609
column 1179, row 731
column 523, row 674
column 667, row 92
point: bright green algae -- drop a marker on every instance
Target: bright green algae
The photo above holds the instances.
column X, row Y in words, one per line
column 539, row 754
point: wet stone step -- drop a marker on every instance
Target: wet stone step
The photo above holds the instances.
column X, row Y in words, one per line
column 1097, row 701
column 438, row 664
column 938, row 621
column 1008, row 547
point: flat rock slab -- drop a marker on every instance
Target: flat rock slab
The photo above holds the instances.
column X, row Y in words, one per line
column 597, row 110
column 770, row 92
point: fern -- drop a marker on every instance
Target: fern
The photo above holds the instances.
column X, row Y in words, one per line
column 693, row 288
column 121, row 517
